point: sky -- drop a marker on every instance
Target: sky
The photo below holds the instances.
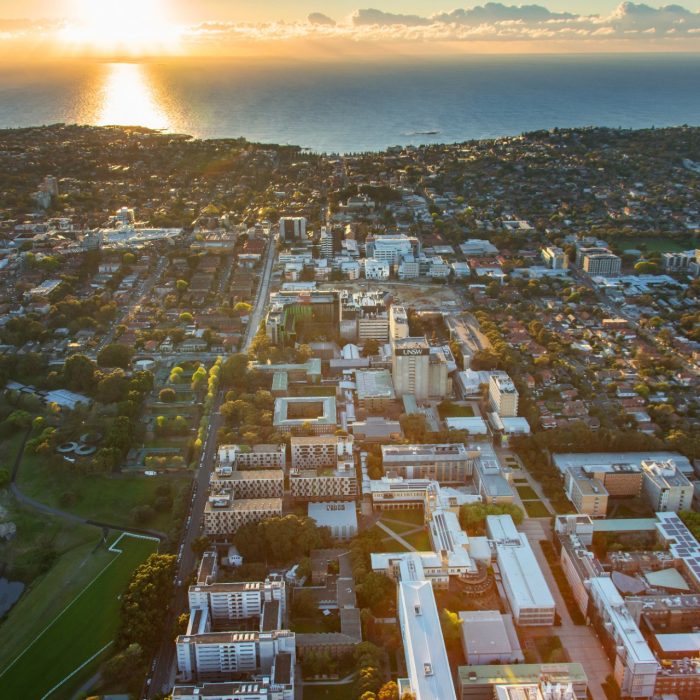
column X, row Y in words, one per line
column 141, row 28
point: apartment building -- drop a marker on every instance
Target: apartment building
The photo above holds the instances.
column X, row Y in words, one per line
column 503, row 396
column 253, row 483
column 252, row 457
column 337, row 483
column 315, row 451
column 222, row 655
column 600, row 262
column 555, row 258
column 292, row 228
column 223, row 515
column 239, row 600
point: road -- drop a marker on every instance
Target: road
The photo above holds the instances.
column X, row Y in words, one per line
column 261, row 298
column 163, row 673
column 142, row 291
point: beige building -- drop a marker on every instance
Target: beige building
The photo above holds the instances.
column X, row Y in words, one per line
column 223, row 516
column 418, row 371
column 587, row 493
column 252, row 483
column 312, row 452
column 324, row 484
column 503, row 396
column 253, row 456
column 445, row 463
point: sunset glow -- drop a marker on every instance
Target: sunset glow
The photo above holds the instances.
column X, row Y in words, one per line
column 132, row 27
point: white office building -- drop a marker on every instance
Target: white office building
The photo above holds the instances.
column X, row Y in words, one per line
column 429, row 672
column 377, row 269
column 526, row 589
column 635, row 666
column 666, row 488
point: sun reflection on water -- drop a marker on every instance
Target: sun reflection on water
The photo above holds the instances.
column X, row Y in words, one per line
column 129, row 98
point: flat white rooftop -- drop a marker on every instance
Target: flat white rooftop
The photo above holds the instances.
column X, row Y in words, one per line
column 518, row 564
column 566, row 460
column 426, row 658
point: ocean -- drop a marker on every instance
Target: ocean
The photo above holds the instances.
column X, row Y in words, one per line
column 342, row 108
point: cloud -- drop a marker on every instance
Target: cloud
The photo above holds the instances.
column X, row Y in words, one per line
column 318, row 18
column 374, row 17
column 631, row 24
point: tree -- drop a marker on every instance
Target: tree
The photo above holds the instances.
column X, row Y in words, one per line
column 472, row 516
column 144, row 605
column 115, row 355
column 199, row 545
column 451, row 624
column 186, row 317
column 167, row 395
column 5, row 478
column 125, row 665
column 19, row 419
column 375, row 591
column 370, row 348
column 389, row 691
column 79, row 373
column 182, row 286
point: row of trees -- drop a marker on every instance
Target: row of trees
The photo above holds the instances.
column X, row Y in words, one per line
column 142, row 618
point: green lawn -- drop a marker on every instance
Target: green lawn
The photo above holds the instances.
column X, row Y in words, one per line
column 452, row 410
column 536, row 509
column 100, row 497
column 413, row 516
column 527, row 493
column 82, row 628
column 654, row 244
column 419, row 540
column 397, row 527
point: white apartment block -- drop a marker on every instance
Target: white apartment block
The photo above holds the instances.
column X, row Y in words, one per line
column 526, row 589
column 239, row 600
column 220, row 655
column 503, row 396
column 278, row 687
column 666, row 488
column 320, row 450
column 554, row 257
column 377, row 269
column 398, row 323
column 223, row 515
column 602, row 263
column 392, row 248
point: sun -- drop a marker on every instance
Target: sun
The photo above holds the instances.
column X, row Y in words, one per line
column 123, row 26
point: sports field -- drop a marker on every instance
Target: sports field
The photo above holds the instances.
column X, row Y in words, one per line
column 84, row 627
